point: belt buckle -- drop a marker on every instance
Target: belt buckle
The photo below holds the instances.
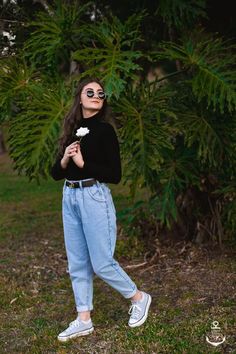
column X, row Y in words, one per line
column 71, row 185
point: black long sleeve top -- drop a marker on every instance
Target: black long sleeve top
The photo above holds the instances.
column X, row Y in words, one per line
column 100, row 151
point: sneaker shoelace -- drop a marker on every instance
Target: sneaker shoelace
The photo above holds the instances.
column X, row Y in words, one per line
column 134, row 311
column 74, row 323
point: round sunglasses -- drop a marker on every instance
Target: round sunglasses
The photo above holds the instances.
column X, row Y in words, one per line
column 90, row 93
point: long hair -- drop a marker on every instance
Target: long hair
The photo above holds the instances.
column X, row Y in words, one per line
column 74, row 116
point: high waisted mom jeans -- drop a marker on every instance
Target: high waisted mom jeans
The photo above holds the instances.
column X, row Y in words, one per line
column 89, row 223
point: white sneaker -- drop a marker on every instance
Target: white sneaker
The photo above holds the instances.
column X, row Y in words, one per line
column 139, row 310
column 76, row 328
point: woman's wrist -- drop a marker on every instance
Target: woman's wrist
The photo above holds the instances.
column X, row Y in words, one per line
column 64, row 163
column 80, row 165
column 78, row 161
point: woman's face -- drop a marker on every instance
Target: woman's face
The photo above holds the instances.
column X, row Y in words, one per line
column 91, row 97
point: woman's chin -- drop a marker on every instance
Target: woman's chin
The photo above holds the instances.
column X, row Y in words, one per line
column 96, row 106
column 93, row 108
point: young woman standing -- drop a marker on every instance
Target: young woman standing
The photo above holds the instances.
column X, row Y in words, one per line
column 88, row 211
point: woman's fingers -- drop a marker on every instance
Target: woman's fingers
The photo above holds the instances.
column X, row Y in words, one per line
column 74, row 143
column 73, row 149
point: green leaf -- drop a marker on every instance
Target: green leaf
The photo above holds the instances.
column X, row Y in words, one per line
column 16, row 82
column 56, row 33
column 211, row 65
column 34, row 132
column 145, row 133
column 113, row 57
column 179, row 12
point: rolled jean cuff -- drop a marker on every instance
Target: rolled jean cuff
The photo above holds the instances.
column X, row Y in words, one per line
column 84, row 308
column 131, row 294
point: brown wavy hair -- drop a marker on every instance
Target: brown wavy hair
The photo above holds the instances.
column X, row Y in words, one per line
column 74, row 116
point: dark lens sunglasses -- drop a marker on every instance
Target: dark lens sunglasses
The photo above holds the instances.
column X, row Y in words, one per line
column 101, row 95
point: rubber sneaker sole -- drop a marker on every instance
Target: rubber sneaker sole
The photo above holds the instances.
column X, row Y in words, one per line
column 143, row 319
column 74, row 335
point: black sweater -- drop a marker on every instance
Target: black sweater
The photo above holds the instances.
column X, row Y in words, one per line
column 100, row 151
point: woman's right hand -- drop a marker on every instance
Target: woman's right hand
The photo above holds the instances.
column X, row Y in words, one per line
column 70, row 151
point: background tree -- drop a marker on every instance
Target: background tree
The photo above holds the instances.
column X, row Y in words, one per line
column 177, row 131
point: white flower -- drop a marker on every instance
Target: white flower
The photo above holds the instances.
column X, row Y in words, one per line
column 82, row 132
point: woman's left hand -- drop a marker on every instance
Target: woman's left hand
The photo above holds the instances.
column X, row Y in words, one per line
column 78, row 158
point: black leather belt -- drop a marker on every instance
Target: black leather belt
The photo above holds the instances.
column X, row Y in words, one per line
column 88, row 183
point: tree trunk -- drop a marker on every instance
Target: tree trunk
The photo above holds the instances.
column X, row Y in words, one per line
column 2, row 144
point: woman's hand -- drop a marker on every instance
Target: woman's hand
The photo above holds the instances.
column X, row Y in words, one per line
column 78, row 158
column 70, row 151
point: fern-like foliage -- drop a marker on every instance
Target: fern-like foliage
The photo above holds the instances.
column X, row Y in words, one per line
column 211, row 134
column 178, row 170
column 34, row 133
column 112, row 55
column 146, row 132
column 211, row 64
column 227, row 194
column 213, row 137
column 56, row 33
column 16, row 81
column 201, row 132
column 179, row 12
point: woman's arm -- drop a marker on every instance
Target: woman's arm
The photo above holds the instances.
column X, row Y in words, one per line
column 58, row 170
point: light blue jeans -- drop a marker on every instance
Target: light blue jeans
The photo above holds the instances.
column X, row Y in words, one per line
column 89, row 223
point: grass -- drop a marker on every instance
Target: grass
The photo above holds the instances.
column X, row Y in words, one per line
column 36, row 299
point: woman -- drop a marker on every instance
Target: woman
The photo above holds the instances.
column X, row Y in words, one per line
column 89, row 215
